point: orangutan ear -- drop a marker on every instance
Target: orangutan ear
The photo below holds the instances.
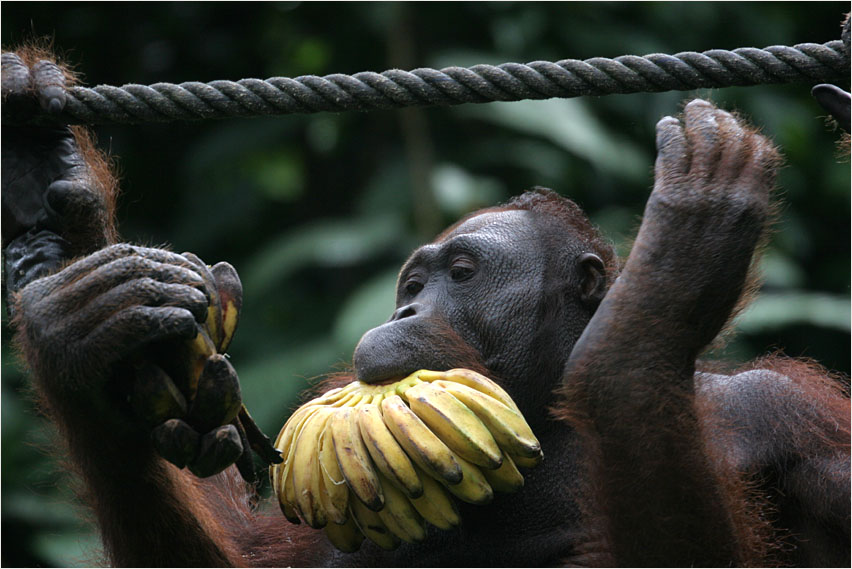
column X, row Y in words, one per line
column 592, row 283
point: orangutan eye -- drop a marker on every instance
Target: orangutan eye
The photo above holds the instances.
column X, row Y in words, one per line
column 462, row 268
column 412, row 287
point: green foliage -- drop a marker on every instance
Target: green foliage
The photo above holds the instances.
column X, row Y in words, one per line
column 317, row 212
column 570, row 126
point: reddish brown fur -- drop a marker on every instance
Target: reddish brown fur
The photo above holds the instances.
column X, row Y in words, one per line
column 101, row 168
column 749, row 509
column 754, row 279
column 740, row 516
column 264, row 539
column 42, row 49
column 746, row 509
column 829, row 392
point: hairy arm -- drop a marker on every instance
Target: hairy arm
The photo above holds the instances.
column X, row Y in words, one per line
column 96, row 327
column 630, row 375
column 785, row 425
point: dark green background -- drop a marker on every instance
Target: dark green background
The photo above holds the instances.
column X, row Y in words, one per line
column 318, row 211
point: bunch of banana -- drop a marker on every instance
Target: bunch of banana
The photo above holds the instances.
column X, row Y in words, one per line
column 381, row 460
column 174, row 387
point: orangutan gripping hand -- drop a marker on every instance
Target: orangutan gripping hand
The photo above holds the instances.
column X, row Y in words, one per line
column 58, row 194
column 86, row 329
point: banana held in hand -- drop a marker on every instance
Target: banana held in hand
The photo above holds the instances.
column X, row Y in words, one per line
column 380, row 461
column 219, row 400
column 195, row 388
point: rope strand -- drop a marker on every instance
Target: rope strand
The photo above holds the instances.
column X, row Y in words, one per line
column 165, row 102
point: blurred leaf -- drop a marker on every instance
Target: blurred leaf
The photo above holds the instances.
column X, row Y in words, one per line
column 323, row 133
column 212, row 154
column 540, row 158
column 792, row 235
column 326, row 243
column 387, row 191
column 279, row 175
column 70, row 549
column 779, row 270
column 30, row 507
column 312, row 54
column 776, row 310
column 458, row 192
column 270, row 385
column 571, row 125
column 370, row 305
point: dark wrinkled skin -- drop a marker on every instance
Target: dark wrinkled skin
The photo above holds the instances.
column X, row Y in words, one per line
column 836, row 101
column 517, row 296
column 49, row 204
column 507, row 274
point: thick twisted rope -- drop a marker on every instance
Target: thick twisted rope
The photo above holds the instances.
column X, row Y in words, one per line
column 164, row 102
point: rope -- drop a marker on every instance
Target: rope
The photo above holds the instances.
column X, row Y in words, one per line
column 164, row 102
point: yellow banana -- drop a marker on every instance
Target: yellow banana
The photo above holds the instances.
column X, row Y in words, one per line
column 372, row 526
column 401, row 449
column 354, row 459
column 213, row 324
column 419, row 442
column 507, row 426
column 287, row 434
column 230, row 302
column 506, row 478
column 346, row 537
column 526, row 462
column 435, row 505
column 209, row 333
column 332, row 515
column 474, row 488
column 399, row 515
column 154, row 396
column 456, row 425
column 195, row 355
column 336, row 398
column 282, row 474
column 226, row 297
column 290, row 513
column 387, row 455
column 334, row 484
column 276, row 473
column 471, row 379
column 282, row 443
column 307, row 477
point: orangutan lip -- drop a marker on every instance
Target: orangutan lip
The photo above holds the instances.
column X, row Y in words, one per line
column 388, row 381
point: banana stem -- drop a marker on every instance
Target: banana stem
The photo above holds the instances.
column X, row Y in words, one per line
column 256, row 439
